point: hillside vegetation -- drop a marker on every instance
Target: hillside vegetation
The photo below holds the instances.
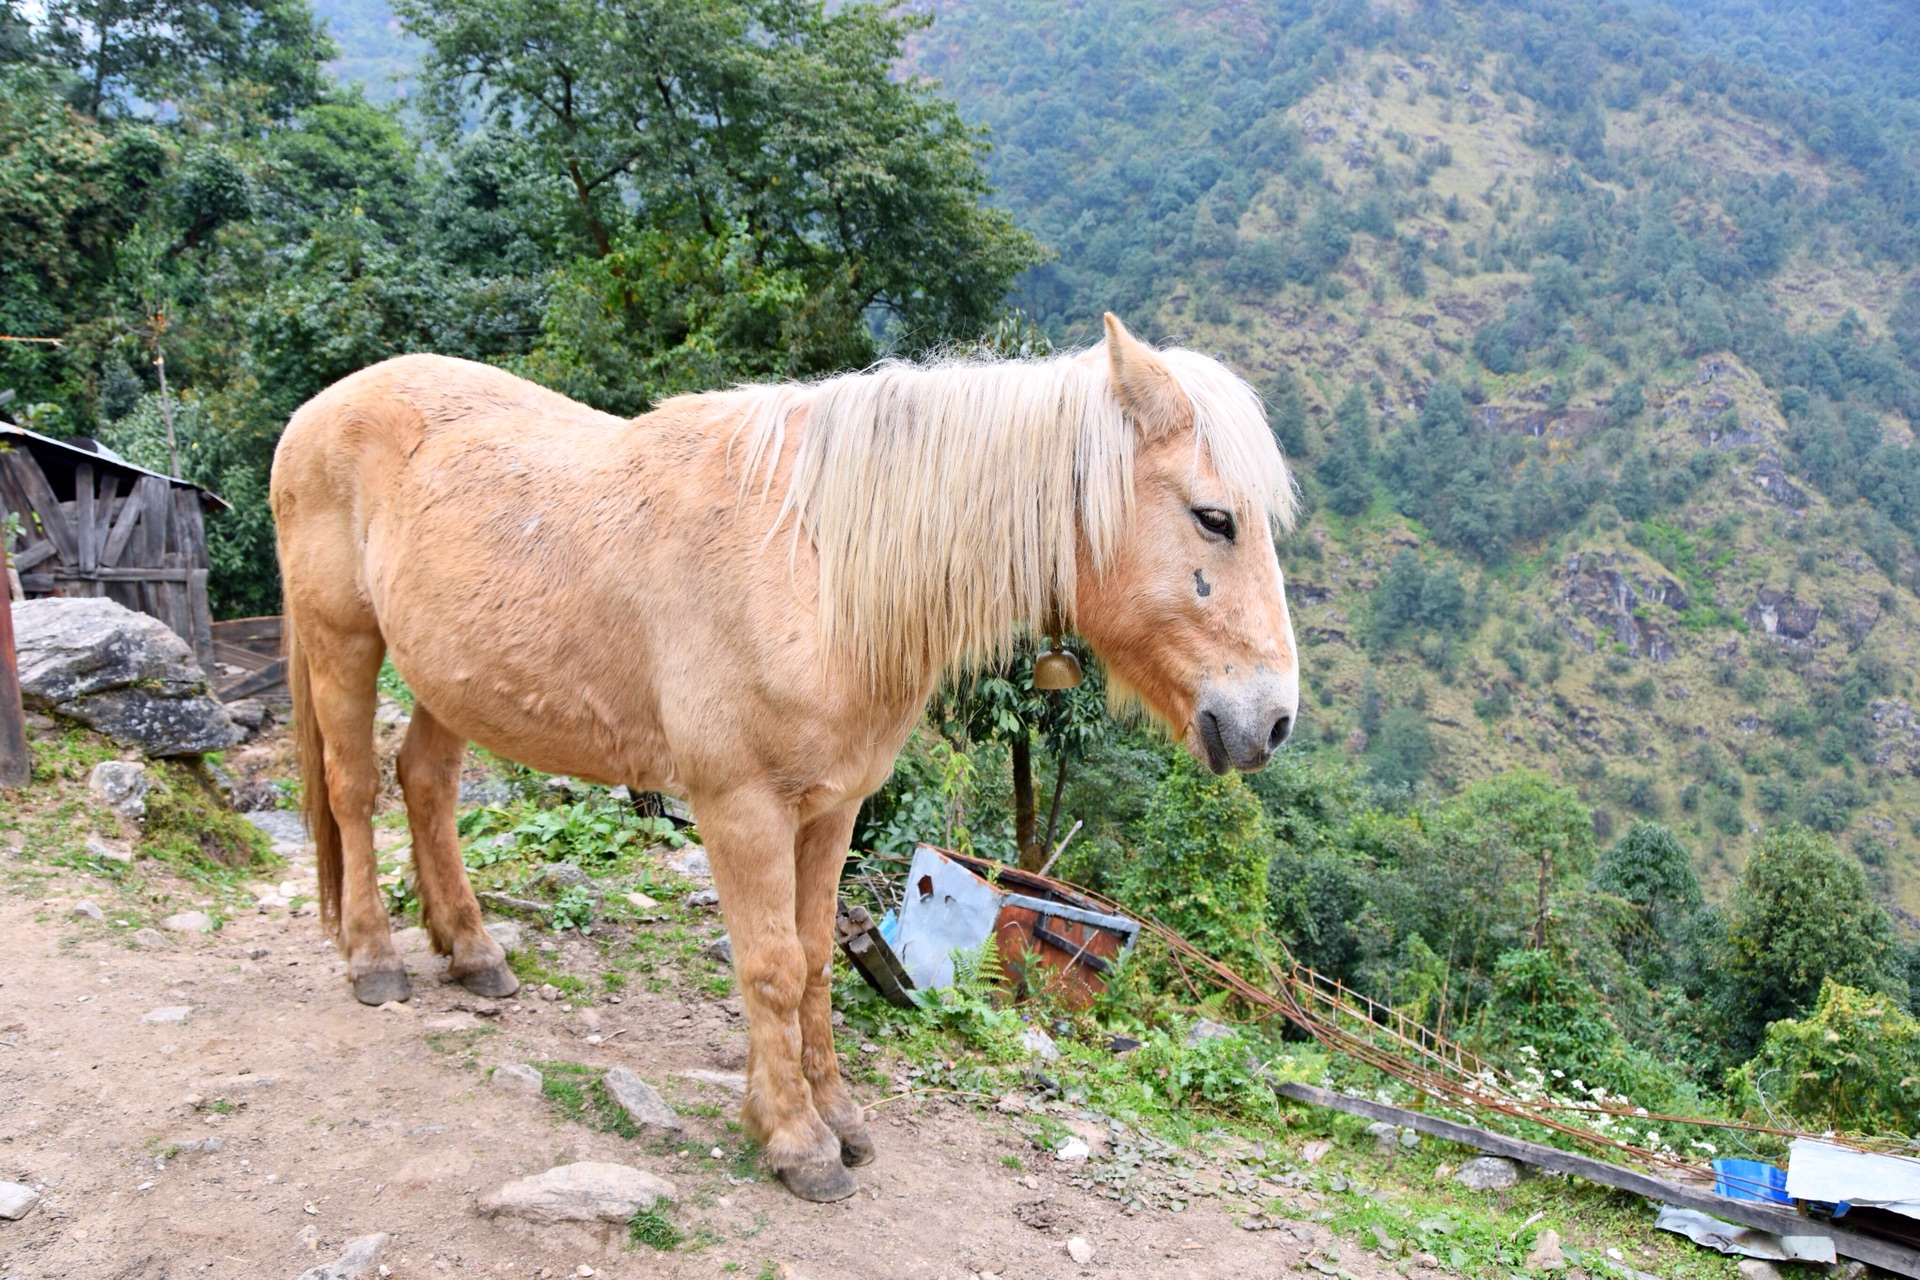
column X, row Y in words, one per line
column 1598, row 350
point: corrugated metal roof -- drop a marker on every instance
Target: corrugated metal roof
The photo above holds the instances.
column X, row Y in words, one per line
column 73, row 454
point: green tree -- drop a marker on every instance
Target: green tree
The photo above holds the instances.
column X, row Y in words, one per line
column 1288, row 416
column 1652, row 872
column 774, row 125
column 1547, row 828
column 1803, row 913
column 1347, row 469
column 129, row 54
column 1402, row 751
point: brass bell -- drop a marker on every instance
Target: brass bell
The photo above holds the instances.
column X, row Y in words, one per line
column 1056, row 668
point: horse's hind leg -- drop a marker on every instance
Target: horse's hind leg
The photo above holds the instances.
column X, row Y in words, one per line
column 344, row 666
column 822, row 851
column 750, row 839
column 429, row 768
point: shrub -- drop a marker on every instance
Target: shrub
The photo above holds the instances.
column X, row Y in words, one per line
column 1852, row 1063
column 1538, row 1001
column 1201, row 862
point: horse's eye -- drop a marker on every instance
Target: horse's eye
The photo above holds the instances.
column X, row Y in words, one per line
column 1214, row 521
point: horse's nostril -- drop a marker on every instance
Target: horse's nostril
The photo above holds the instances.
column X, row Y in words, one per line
column 1281, row 728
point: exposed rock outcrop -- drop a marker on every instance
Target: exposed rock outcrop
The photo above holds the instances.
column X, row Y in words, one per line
column 122, row 673
column 1609, row 598
column 1785, row 617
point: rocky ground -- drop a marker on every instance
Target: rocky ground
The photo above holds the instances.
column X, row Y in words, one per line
column 214, row 1104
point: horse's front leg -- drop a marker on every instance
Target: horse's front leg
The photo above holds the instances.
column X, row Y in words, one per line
column 750, row 840
column 821, row 851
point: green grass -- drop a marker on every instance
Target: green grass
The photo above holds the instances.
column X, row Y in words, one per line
column 577, row 1093
column 655, row 1230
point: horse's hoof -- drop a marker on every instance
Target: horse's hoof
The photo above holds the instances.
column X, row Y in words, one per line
column 495, row 983
column 382, row 987
column 822, row 1182
column 856, row 1147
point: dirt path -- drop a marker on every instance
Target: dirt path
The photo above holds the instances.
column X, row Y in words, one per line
column 330, row 1121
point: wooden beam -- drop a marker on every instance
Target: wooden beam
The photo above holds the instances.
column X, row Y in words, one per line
column 103, row 514
column 1748, row 1213
column 53, row 521
column 33, row 555
column 181, row 576
column 260, row 681
column 123, row 527
column 16, row 762
column 83, row 518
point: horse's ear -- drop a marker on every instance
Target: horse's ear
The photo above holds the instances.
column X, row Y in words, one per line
column 1144, row 383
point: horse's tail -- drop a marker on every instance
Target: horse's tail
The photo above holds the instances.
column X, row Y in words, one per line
column 310, row 750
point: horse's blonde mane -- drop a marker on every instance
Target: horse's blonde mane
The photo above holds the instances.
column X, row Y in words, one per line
column 946, row 499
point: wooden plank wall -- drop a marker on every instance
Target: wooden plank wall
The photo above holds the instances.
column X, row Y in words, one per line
column 145, row 548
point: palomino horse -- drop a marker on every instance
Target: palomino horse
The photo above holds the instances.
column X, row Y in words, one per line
column 745, row 598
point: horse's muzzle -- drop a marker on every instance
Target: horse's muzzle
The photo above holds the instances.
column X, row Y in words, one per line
column 1241, row 725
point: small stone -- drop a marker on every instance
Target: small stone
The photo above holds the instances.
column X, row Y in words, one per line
column 641, row 902
column 1758, row 1269
column 642, row 1103
column 703, row 898
column 583, row 1271
column 188, row 922
column 109, row 850
column 355, row 1261
column 548, row 991
column 169, row 1013
column 690, row 863
column 1315, row 1151
column 16, row 1199
column 412, row 942
column 731, row 1081
column 1545, row 1254
column 586, row 1192
column 721, row 949
column 1072, row 1149
column 518, row 1078
column 508, row 934
column 1207, row 1029
column 1036, row 1041
column 1488, row 1173
column 248, row 713
column 122, row 786
column 150, row 940
column 1079, row 1250
column 86, row 909
column 458, row 1020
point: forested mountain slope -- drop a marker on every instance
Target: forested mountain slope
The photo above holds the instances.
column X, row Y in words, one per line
column 1598, row 347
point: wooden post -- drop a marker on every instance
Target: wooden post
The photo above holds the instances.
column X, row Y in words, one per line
column 16, row 764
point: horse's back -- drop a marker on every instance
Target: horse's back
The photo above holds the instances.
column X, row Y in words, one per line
column 410, row 398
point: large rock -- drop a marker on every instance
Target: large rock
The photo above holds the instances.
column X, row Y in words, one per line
column 584, row 1192
column 120, row 672
column 642, row 1103
column 355, row 1261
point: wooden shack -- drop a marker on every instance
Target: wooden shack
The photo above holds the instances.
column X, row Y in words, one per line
column 93, row 524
